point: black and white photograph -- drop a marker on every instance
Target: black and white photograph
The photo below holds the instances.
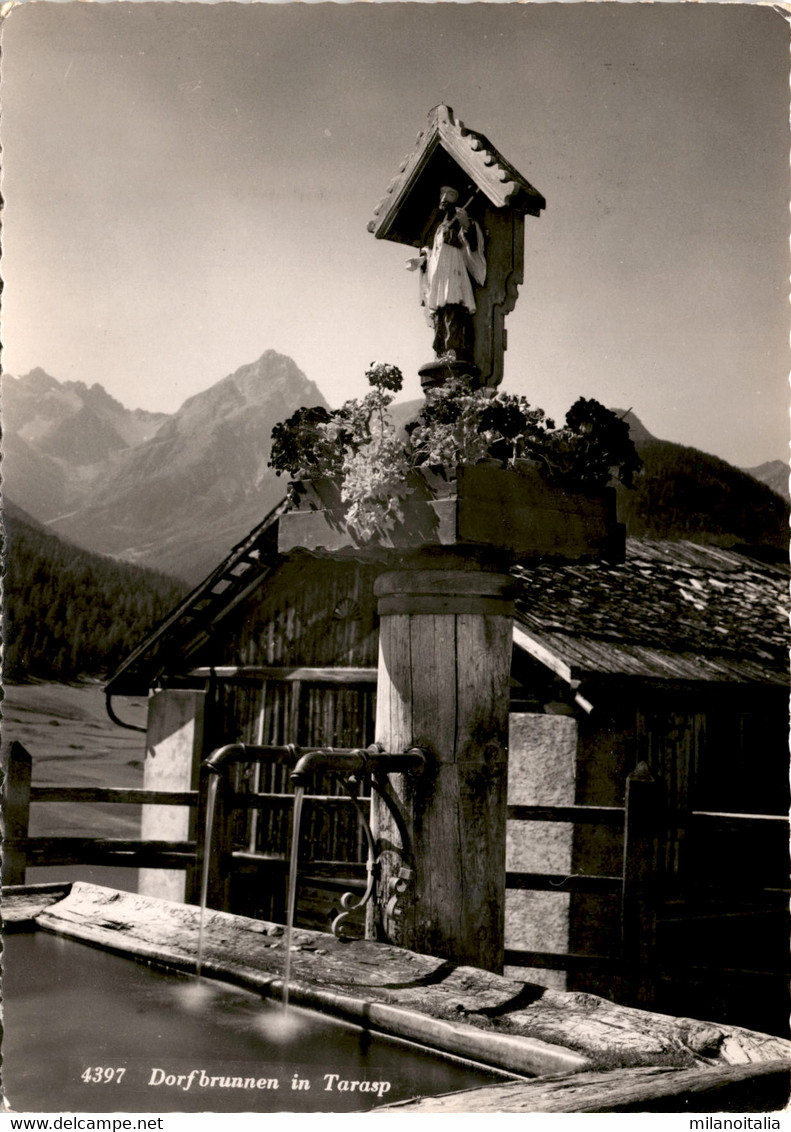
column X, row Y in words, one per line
column 395, row 516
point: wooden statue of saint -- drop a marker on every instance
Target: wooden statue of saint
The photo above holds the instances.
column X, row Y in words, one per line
column 450, row 270
column 470, row 265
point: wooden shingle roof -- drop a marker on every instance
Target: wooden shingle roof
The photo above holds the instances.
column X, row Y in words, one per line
column 447, row 150
column 672, row 610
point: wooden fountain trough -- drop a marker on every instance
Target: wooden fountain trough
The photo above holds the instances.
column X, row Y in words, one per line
column 584, row 1053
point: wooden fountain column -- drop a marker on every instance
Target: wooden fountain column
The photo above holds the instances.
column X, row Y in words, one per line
column 445, row 641
column 445, row 645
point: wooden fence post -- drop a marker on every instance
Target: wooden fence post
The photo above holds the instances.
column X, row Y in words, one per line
column 638, row 902
column 15, row 763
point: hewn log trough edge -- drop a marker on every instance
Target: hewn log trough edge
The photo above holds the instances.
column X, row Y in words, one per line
column 762, row 1087
column 516, row 1054
column 514, row 1026
column 21, row 903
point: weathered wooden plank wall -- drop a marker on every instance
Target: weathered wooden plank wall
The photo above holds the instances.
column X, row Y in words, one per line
column 312, row 614
column 708, row 749
column 308, row 613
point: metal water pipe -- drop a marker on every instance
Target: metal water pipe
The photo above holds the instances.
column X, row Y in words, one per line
column 357, row 762
column 352, row 766
column 222, row 757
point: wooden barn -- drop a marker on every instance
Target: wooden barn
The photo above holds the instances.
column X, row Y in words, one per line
column 675, row 660
column 668, row 670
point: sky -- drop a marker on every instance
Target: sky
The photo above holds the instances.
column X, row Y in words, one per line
column 189, row 185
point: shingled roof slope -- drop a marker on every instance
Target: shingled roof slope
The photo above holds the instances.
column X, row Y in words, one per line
column 672, row 610
column 473, row 153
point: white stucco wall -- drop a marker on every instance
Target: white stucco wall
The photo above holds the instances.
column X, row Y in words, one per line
column 173, row 749
column 541, row 772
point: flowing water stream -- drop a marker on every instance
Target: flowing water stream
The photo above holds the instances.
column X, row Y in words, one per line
column 299, row 794
column 211, row 803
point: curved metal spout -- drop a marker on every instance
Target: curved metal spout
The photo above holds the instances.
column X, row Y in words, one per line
column 352, row 765
column 221, row 757
column 358, row 762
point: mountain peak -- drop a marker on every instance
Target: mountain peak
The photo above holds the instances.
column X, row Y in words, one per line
column 637, row 430
column 39, row 381
column 273, row 381
column 774, row 473
column 271, row 368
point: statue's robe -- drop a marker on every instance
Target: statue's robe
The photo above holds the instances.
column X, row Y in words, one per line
column 456, row 259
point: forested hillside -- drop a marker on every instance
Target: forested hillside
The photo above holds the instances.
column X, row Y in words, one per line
column 682, row 493
column 69, row 613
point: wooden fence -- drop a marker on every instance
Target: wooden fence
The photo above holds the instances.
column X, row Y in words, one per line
column 21, row 851
column 640, row 821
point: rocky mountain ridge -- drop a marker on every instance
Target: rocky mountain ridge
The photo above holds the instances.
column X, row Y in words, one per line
column 71, row 420
column 176, row 491
column 171, row 491
column 774, row 473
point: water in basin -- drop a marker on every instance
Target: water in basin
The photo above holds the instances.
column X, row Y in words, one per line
column 76, row 1016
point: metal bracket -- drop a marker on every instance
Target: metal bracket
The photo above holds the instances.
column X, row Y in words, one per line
column 396, row 886
column 349, row 902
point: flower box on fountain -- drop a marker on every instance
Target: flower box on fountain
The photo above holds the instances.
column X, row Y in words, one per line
column 476, row 469
column 514, row 511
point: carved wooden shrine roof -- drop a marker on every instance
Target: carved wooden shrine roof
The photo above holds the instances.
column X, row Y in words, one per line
column 446, row 151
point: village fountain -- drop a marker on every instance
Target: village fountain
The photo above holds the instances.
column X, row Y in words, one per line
column 429, row 969
column 445, row 594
